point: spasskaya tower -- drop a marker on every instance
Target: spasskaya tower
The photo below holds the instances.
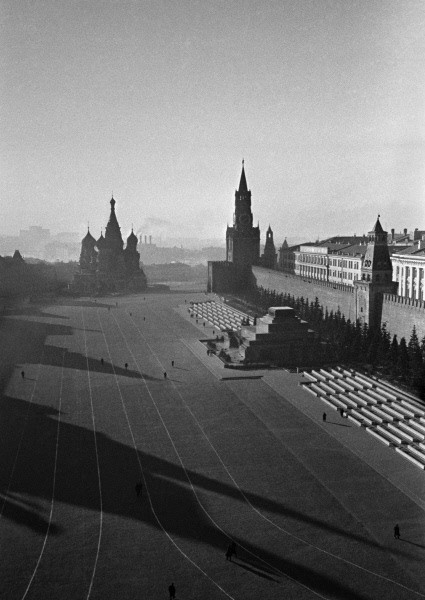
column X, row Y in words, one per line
column 243, row 240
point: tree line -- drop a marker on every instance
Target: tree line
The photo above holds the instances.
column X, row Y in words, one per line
column 339, row 340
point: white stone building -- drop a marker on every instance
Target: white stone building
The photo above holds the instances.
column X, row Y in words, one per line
column 409, row 271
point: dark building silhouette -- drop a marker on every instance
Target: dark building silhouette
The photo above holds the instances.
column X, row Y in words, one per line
column 243, row 239
column 105, row 266
column 269, row 257
column 242, row 246
column 376, row 278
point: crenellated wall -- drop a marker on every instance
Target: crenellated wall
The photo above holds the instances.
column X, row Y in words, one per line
column 332, row 296
column 401, row 314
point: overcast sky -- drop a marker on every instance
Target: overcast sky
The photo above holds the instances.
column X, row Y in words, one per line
column 159, row 101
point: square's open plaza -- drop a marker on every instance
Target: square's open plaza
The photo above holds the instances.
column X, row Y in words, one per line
column 131, row 459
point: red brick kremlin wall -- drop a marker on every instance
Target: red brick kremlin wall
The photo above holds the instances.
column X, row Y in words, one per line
column 400, row 314
column 331, row 295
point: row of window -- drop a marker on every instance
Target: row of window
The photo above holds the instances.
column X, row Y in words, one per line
column 343, row 275
column 314, row 259
column 415, row 271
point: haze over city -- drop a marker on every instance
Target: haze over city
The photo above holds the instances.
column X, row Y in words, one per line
column 159, row 102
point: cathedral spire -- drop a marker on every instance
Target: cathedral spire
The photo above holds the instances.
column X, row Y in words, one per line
column 112, row 232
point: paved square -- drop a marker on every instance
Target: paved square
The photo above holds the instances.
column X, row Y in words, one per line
column 221, row 457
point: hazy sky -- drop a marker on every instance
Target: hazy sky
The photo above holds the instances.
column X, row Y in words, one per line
column 159, row 101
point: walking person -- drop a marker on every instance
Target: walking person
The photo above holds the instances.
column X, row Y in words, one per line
column 23, row 374
column 397, row 532
column 165, row 375
column 172, row 591
column 324, row 417
column 172, row 363
column 126, row 366
column 102, row 361
column 229, row 552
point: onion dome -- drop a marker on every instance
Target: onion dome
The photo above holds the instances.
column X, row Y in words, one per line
column 100, row 242
column 88, row 240
column 132, row 239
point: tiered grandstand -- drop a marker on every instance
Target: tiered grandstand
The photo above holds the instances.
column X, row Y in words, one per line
column 220, row 315
column 394, row 417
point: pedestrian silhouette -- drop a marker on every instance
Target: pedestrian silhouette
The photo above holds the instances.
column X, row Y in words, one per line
column 397, row 532
column 144, row 318
column 165, row 375
column 229, row 552
column 126, row 365
column 131, row 314
column 172, row 363
column 23, row 374
column 139, row 489
column 324, row 417
column 172, row 591
column 101, row 361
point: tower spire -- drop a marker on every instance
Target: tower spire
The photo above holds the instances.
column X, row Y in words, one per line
column 243, row 188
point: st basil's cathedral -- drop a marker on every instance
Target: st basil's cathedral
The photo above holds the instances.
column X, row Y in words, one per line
column 105, row 265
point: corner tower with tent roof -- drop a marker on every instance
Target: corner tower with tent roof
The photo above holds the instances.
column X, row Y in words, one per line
column 269, row 256
column 376, row 278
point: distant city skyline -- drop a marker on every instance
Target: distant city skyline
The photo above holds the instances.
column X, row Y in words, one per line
column 159, row 102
